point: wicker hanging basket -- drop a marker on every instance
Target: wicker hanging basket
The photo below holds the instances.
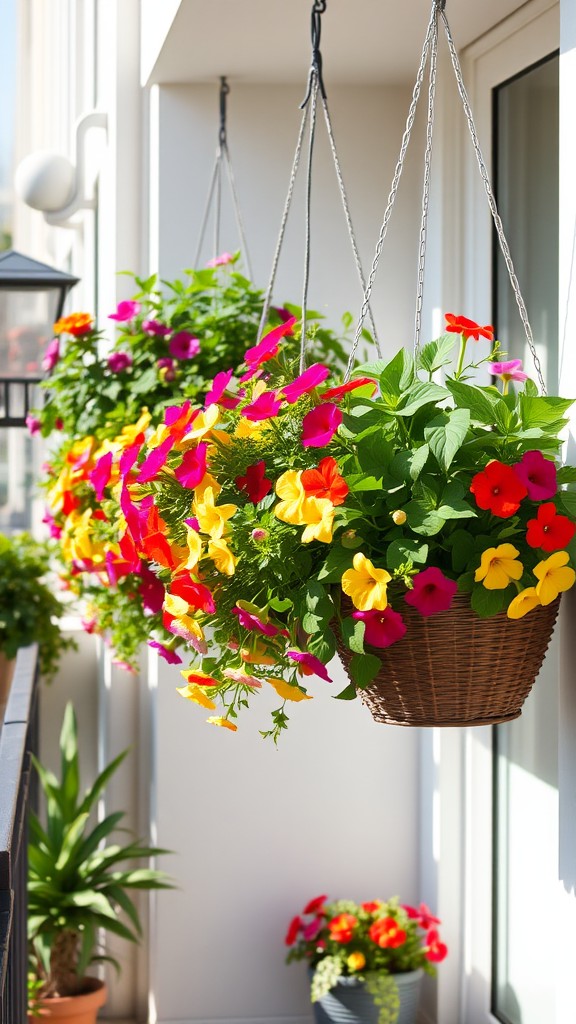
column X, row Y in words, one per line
column 454, row 668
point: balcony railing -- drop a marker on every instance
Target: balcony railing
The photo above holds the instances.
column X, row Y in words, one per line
column 18, row 736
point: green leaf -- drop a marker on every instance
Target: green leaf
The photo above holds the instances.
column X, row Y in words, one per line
column 339, row 559
column 537, row 411
column 566, row 475
column 348, row 693
column 353, row 633
column 436, row 353
column 323, row 645
column 446, row 434
column 279, row 605
column 487, row 603
column 474, row 399
column 360, row 482
column 420, row 395
column 69, row 784
column 463, row 549
column 566, row 502
column 364, row 668
column 400, row 552
column 423, row 520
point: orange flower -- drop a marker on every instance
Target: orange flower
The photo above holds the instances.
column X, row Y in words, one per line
column 468, row 328
column 342, row 928
column 76, row 324
column 325, row 482
column 387, row 933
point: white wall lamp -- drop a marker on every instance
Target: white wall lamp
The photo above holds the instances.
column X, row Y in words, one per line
column 55, row 185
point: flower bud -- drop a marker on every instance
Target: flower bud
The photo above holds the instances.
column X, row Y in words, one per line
column 399, row 517
column 259, row 535
column 356, row 961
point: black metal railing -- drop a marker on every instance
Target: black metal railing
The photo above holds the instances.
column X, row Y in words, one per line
column 18, row 739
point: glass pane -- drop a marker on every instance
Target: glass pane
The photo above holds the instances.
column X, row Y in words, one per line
column 26, row 320
column 20, row 501
column 526, row 784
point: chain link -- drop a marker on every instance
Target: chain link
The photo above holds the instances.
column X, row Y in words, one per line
column 237, row 210
column 426, row 186
column 492, row 204
column 308, row 205
column 393, row 191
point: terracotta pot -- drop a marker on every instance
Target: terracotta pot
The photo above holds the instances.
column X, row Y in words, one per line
column 82, row 1009
column 6, row 675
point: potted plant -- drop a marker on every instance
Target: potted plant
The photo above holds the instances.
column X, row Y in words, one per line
column 29, row 610
column 390, row 514
column 79, row 885
column 172, row 338
column 366, row 960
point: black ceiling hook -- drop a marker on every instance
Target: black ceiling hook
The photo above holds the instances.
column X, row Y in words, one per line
column 440, row 5
column 224, row 90
column 318, row 8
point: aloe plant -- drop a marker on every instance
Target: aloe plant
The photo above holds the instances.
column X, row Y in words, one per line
column 79, row 879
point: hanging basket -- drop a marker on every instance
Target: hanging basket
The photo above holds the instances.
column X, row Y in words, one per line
column 454, row 668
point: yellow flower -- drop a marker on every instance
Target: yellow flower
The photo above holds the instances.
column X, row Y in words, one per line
column 197, row 695
column 399, row 517
column 207, row 481
column 191, row 555
column 213, row 518
column 356, row 961
column 287, row 691
column 257, row 655
column 498, row 566
column 555, row 576
column 319, row 513
column 222, row 557
column 175, row 606
column 246, row 428
column 225, row 723
column 203, row 422
column 365, row 585
column 289, row 488
column 523, row 603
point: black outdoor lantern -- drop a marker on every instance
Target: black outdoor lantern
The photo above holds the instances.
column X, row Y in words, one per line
column 32, row 297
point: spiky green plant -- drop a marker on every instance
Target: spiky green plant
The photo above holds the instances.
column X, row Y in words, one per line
column 79, row 879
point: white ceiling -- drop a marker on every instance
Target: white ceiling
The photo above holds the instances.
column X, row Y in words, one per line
column 363, row 41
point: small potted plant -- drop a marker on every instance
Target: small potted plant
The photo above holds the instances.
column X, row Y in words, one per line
column 79, row 885
column 366, row 960
column 29, row 610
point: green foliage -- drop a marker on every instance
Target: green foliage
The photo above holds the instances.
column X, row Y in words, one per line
column 385, row 994
column 79, row 877
column 29, row 610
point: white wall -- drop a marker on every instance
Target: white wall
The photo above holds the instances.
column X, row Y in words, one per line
column 257, row 830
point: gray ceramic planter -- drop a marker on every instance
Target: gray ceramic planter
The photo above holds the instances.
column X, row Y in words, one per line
column 350, row 1003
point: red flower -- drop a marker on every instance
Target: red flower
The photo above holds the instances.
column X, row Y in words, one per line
column 423, row 915
column 550, row 531
column 325, row 482
column 432, row 591
column 387, row 933
column 293, row 931
column 435, row 950
column 343, row 389
column 342, row 928
column 468, row 328
column 196, row 594
column 315, row 905
column 498, row 488
column 255, row 483
column 371, row 907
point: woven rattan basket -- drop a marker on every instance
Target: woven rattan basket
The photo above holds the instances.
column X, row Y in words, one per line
column 455, row 668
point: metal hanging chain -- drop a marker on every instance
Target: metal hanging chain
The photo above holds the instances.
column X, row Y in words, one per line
column 215, row 191
column 315, row 85
column 492, row 203
column 426, row 185
column 393, row 190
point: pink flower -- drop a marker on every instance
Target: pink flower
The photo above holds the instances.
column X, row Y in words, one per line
column 221, row 260
column 51, row 355
column 313, row 929
column 192, row 469
column 219, row 385
column 184, row 345
column 154, row 327
column 124, row 665
column 432, row 591
column 511, row 370
column 125, row 311
column 269, row 345
column 423, row 915
column 309, row 664
column 54, row 530
column 165, row 652
column 538, row 476
column 119, row 361
column 265, row 406
column 100, row 475
column 320, row 424
column 155, row 461
column 307, row 381
column 383, row 628
column 130, row 455
column 252, row 622
column 167, row 369
column 239, row 676
column 33, row 423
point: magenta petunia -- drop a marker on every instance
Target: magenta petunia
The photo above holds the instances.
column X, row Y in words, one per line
column 183, row 345
column 432, row 591
column 33, row 424
column 151, row 590
column 125, row 311
column 320, row 424
column 313, row 929
column 51, row 355
column 100, row 475
column 175, row 412
column 219, row 385
column 510, row 370
column 383, row 628
column 130, row 455
column 265, row 406
column 155, row 461
column 119, row 361
column 167, row 369
column 221, row 260
column 268, row 346
column 53, row 528
column 310, row 664
column 155, row 328
column 307, row 381
column 192, row 469
column 165, row 652
column 254, row 623
column 538, row 476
